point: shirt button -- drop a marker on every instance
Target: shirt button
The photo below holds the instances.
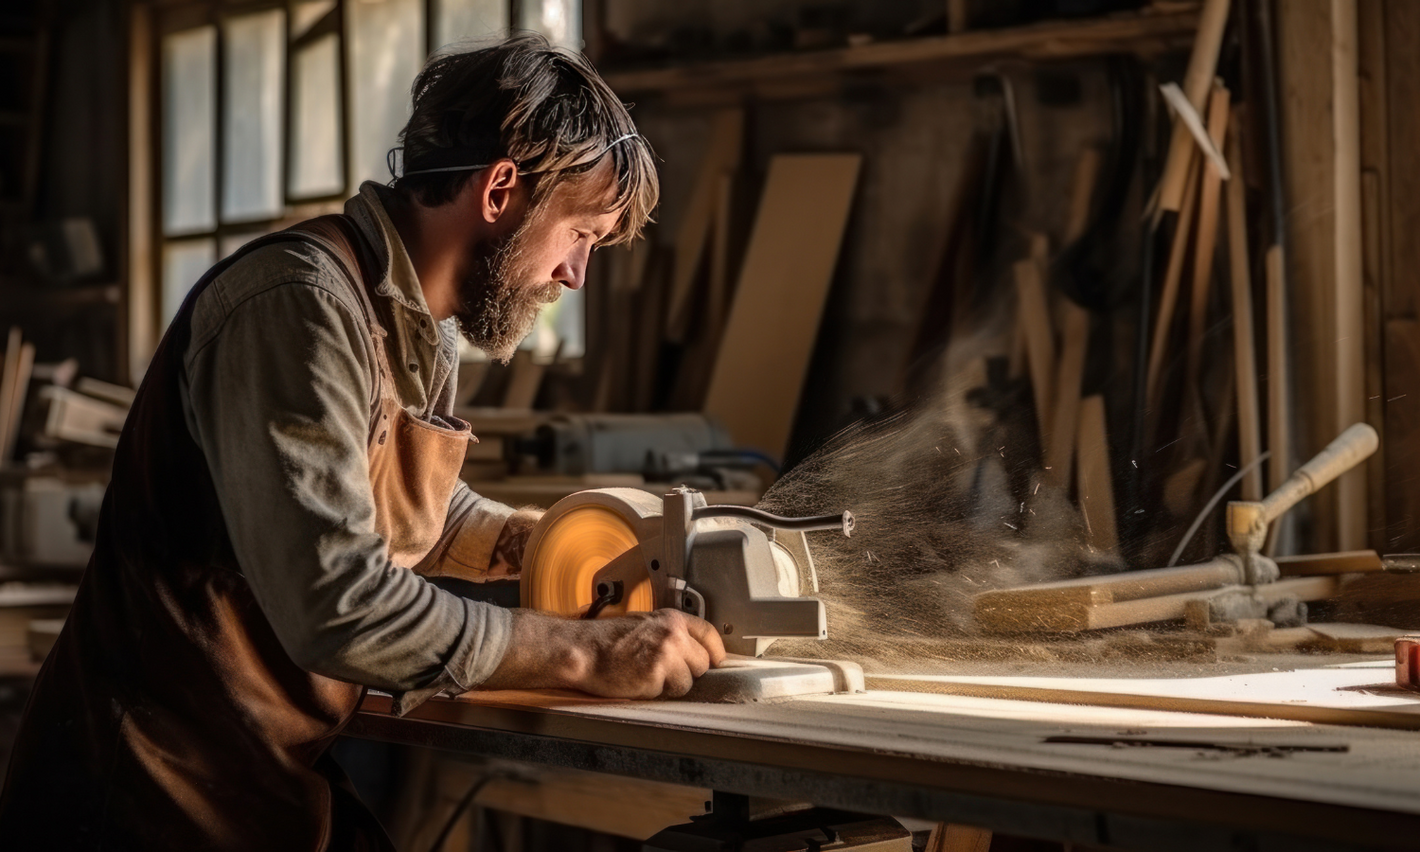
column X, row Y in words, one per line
column 423, row 323
column 413, row 368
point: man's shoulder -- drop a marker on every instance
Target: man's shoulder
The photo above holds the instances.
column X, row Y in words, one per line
column 295, row 272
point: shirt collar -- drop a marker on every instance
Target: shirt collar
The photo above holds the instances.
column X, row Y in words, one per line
column 398, row 279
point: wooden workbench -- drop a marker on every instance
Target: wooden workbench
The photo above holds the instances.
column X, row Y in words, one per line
column 1240, row 782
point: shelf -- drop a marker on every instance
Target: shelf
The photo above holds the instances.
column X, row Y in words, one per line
column 1146, row 34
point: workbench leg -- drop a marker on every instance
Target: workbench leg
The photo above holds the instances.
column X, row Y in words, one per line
column 950, row 837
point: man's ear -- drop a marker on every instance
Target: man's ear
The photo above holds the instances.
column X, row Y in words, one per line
column 499, row 190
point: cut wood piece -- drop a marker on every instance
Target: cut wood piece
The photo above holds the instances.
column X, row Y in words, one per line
column 1207, row 240
column 1033, row 319
column 524, row 381
column 951, row 837
column 1173, row 274
column 1202, row 66
column 1312, row 564
column 8, row 375
column 20, row 376
column 722, row 157
column 1074, row 617
column 75, row 417
column 1096, row 488
column 1279, row 403
column 1082, row 189
column 116, row 394
column 1244, row 343
column 1075, row 341
column 1015, row 603
column 783, row 285
column 1354, row 638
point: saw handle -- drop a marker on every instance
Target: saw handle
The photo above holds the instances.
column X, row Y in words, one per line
column 845, row 521
column 1349, row 449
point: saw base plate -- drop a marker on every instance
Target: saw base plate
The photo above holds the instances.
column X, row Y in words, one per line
column 748, row 680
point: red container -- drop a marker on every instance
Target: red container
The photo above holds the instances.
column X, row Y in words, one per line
column 1407, row 662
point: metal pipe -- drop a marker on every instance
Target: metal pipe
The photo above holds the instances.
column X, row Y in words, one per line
column 845, row 521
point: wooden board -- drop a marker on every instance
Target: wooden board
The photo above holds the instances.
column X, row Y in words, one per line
column 1078, row 616
column 1096, row 484
column 1244, row 338
column 1065, row 419
column 1202, row 64
column 1173, row 275
column 1313, row 564
column 911, row 754
column 1033, row 320
column 722, row 157
column 1361, row 694
column 788, row 267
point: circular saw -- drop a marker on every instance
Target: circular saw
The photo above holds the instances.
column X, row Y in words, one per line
column 614, row 551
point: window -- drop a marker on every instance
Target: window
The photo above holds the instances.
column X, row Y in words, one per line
column 273, row 112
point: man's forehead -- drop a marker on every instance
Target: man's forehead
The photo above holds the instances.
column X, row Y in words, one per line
column 588, row 195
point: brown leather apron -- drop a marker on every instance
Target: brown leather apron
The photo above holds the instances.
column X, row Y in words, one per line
column 168, row 716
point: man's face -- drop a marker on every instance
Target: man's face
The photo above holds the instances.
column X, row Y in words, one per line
column 512, row 277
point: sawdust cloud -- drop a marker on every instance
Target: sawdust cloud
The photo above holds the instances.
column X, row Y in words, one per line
column 949, row 501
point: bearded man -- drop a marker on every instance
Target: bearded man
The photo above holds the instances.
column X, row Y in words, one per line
column 287, row 482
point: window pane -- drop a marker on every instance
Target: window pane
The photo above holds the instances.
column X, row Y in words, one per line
column 229, row 244
column 464, row 19
column 306, row 13
column 189, row 137
column 184, row 263
column 317, row 167
column 559, row 20
column 386, row 53
column 560, row 323
column 253, row 59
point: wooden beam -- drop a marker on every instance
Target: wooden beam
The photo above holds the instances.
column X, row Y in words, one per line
column 1202, row 66
column 1052, row 40
column 140, row 296
column 1074, row 344
column 1033, row 320
column 951, row 837
column 764, row 355
column 722, row 157
column 1173, row 274
column 1096, row 486
column 1209, row 196
column 1244, row 338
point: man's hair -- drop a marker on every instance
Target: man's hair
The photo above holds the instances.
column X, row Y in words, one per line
column 541, row 106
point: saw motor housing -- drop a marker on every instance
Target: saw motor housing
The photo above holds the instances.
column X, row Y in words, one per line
column 612, row 551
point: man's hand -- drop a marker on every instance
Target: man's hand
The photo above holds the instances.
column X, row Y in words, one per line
column 645, row 655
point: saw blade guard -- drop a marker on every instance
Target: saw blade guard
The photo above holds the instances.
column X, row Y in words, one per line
column 587, row 544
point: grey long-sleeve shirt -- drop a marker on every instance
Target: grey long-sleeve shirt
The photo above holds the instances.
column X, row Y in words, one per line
column 277, row 386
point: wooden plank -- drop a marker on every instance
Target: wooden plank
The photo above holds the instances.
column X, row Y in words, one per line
column 1244, row 343
column 1311, row 564
column 9, row 375
column 1168, row 294
column 1017, row 606
column 1202, row 65
column 764, row 354
column 140, row 294
column 1096, row 487
column 722, row 156
column 1400, row 297
column 1055, row 40
column 21, row 377
column 1074, row 616
column 1033, row 320
column 1082, row 186
column 1402, row 413
column 1279, row 395
column 1375, row 156
column 1348, row 320
column 951, row 837
column 1208, row 201
column 1075, row 342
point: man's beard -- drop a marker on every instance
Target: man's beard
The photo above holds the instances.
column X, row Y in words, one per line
column 498, row 302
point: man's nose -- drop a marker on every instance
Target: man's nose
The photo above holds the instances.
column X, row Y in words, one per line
column 572, row 272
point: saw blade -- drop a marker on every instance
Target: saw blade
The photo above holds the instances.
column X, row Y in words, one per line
column 572, row 557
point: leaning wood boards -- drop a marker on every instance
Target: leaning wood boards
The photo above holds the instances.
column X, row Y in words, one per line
column 788, row 266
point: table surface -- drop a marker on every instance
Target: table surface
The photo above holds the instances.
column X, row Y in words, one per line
column 1128, row 776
